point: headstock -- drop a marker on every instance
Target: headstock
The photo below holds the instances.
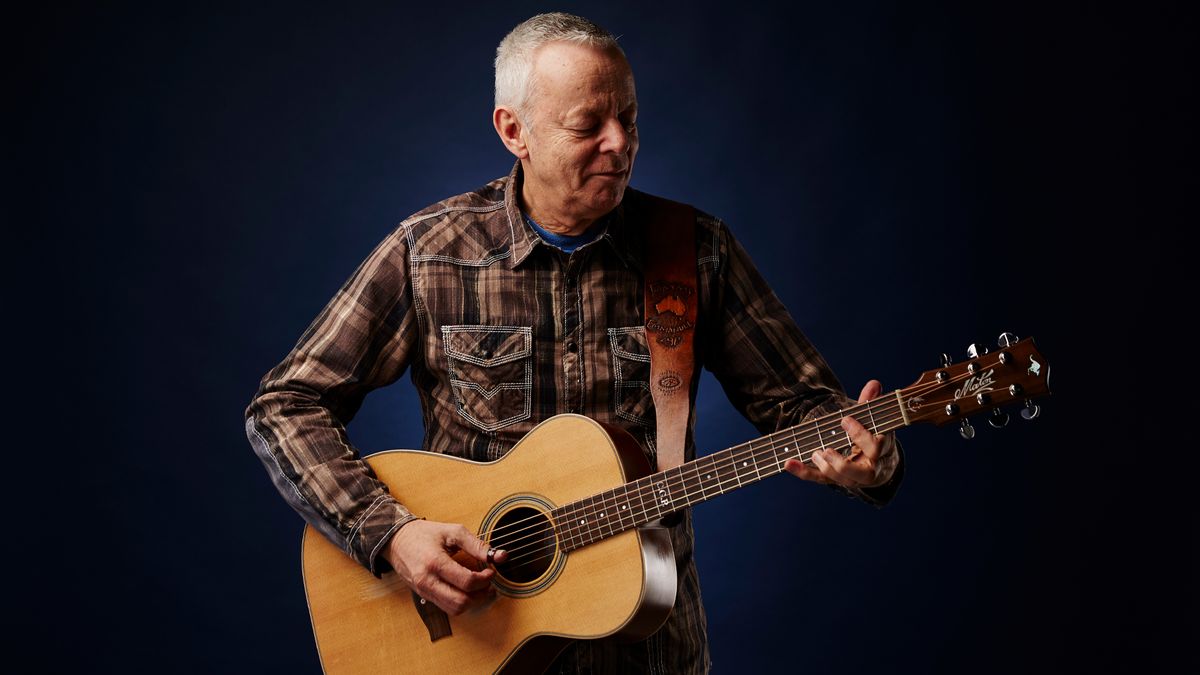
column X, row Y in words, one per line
column 1015, row 373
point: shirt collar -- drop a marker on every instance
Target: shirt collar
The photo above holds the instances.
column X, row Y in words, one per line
column 625, row 242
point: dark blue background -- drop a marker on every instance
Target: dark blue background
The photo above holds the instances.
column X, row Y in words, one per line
column 190, row 185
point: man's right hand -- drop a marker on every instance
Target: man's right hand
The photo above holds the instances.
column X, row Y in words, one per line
column 423, row 554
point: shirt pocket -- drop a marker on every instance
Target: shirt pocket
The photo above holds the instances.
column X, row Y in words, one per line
column 632, row 399
column 491, row 373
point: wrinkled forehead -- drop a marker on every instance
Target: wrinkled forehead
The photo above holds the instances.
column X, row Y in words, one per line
column 566, row 74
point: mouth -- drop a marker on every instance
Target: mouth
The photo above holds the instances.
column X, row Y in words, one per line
column 612, row 174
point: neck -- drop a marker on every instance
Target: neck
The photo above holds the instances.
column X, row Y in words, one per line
column 552, row 219
column 647, row 499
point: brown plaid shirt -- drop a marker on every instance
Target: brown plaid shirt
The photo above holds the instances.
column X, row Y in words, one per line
column 500, row 331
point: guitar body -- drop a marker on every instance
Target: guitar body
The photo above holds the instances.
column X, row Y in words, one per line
column 622, row 585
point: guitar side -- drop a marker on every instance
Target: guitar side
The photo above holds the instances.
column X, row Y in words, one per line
column 622, row 585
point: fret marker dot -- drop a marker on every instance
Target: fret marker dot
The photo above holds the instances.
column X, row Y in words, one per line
column 601, row 514
column 624, row 506
column 581, row 522
column 745, row 463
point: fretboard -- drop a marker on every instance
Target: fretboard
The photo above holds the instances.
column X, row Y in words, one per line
column 647, row 499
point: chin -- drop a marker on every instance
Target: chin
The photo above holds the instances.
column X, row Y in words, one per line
column 608, row 199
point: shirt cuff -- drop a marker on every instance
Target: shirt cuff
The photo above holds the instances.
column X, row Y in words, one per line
column 382, row 520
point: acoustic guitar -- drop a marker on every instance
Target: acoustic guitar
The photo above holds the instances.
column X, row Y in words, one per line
column 575, row 505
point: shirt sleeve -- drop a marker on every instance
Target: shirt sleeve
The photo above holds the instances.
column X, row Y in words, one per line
column 769, row 370
column 296, row 422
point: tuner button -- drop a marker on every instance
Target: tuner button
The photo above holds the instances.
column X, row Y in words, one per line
column 951, row 409
column 946, row 360
column 975, row 351
column 942, row 377
column 1031, row 410
column 966, row 430
column 999, row 419
column 1007, row 340
column 1016, row 390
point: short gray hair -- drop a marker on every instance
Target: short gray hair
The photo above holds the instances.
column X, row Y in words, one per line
column 514, row 56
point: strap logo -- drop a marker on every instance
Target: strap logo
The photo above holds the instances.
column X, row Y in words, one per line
column 668, row 320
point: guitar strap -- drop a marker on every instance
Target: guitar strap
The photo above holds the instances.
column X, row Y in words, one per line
column 671, row 299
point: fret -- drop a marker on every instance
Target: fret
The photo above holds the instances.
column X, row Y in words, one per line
column 708, row 475
column 604, row 518
column 625, row 515
column 724, row 469
column 754, row 461
column 874, row 427
column 693, row 487
column 643, row 484
column 580, row 523
column 780, row 450
column 565, row 531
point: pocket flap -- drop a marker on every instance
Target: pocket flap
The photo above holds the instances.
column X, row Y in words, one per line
column 488, row 345
column 630, row 343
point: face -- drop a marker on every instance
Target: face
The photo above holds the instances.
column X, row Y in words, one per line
column 580, row 135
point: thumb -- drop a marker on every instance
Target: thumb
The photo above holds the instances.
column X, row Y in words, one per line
column 870, row 390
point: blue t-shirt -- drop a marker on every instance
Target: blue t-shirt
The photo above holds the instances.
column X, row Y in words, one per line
column 563, row 242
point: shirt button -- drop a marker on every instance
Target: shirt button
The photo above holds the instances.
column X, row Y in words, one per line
column 570, row 282
column 572, row 347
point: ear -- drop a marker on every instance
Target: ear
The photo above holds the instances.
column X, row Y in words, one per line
column 511, row 131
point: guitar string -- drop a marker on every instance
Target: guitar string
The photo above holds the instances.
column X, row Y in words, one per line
column 738, row 455
column 725, row 483
column 814, row 424
column 672, row 483
column 769, row 444
column 753, row 451
column 728, row 483
column 722, row 486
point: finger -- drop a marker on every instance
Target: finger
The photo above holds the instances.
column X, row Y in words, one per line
column 870, row 390
column 866, row 442
column 801, row 470
column 461, row 578
column 449, row 599
column 841, row 470
column 461, row 538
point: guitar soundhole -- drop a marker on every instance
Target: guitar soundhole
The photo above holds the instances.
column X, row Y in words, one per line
column 527, row 535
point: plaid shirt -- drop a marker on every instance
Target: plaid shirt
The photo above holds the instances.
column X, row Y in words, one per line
column 501, row 331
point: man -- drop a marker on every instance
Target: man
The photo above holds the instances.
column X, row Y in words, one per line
column 522, row 300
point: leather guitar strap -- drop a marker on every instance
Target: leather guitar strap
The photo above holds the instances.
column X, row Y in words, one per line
column 671, row 299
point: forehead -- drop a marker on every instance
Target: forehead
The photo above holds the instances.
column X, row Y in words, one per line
column 570, row 76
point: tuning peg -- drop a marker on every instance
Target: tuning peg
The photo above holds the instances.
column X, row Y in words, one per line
column 1007, row 340
column 946, row 361
column 974, row 351
column 999, row 419
column 1031, row 410
column 966, row 430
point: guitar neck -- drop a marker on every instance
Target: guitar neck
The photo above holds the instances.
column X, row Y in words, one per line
column 647, row 499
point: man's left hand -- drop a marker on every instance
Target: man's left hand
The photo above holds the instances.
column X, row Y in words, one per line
column 871, row 463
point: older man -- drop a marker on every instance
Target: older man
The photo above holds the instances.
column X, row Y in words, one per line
column 524, row 299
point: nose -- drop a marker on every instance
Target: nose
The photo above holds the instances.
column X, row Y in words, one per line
column 615, row 137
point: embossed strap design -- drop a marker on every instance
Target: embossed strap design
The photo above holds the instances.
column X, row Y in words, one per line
column 671, row 299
